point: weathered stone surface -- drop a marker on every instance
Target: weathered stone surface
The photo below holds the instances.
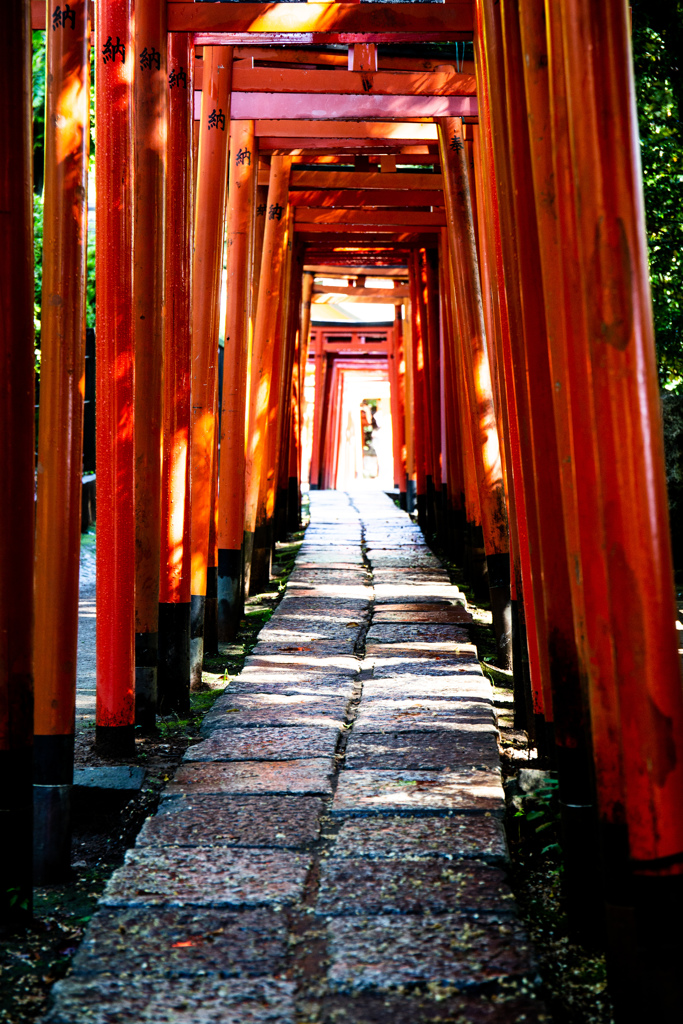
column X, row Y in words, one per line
column 415, row 751
column 197, row 1000
column 311, row 775
column 179, row 876
column 388, row 663
column 423, row 614
column 402, row 575
column 432, row 687
column 410, row 560
column 449, row 950
column 312, row 652
column 301, row 659
column 428, row 714
column 417, row 593
column 409, row 1007
column 434, row 651
column 353, row 575
column 120, row 777
column 329, row 606
column 466, row 837
column 406, row 632
column 269, row 682
column 267, row 744
column 259, row 709
column 290, row 629
column 342, row 592
column 220, row 820
column 389, row 792
column 180, row 942
column 362, row 886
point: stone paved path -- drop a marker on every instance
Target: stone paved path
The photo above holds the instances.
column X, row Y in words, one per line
column 332, row 850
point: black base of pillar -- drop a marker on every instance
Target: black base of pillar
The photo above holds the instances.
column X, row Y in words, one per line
column 403, row 501
column 475, row 558
column 146, row 661
column 197, row 605
column 173, row 677
column 523, row 714
column 53, row 769
column 281, row 514
column 230, row 602
column 411, row 496
column 421, row 507
column 582, row 893
column 16, row 827
column 115, row 740
column 260, row 560
column 293, row 505
column 211, row 613
column 498, row 569
column 247, row 552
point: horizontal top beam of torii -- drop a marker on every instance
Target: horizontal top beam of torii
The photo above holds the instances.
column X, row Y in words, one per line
column 310, row 23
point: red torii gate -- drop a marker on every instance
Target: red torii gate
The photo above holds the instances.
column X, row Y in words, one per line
column 542, row 350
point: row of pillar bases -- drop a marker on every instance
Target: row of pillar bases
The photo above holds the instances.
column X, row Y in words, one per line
column 534, row 291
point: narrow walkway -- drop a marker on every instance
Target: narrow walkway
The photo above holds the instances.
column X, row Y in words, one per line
column 332, row 850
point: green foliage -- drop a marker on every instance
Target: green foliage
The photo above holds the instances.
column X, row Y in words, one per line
column 658, row 64
column 38, row 72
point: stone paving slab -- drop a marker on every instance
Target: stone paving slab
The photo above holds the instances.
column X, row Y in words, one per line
column 416, row 593
column 411, row 666
column 449, row 950
column 404, row 687
column 181, row 876
column 235, row 820
column 417, row 574
column 431, row 751
column 422, row 614
column 301, row 661
column 425, row 715
column 364, row 887
column 329, row 606
column 345, row 593
column 407, row 632
column 289, row 629
column 312, row 652
column 197, row 1000
column 310, row 775
column 173, row 943
column 409, row 1007
column 468, row 837
column 321, row 686
column 266, row 709
column 371, row 791
column 266, row 744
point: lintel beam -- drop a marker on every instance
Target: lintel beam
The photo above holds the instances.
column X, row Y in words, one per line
column 365, row 198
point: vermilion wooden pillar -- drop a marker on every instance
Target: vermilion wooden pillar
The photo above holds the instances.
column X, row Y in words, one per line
column 212, row 165
column 174, row 577
column 453, row 466
column 114, row 62
column 478, row 380
column 17, row 456
column 267, row 317
column 529, row 589
column 238, row 330
column 418, row 370
column 149, row 202
column 619, row 342
column 60, row 437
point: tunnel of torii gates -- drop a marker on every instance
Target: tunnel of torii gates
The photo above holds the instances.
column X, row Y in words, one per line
column 502, row 197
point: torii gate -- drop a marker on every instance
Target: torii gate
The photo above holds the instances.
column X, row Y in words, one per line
column 529, row 386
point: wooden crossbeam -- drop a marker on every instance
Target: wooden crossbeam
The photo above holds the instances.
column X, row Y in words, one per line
column 360, row 180
column 267, row 56
column 369, row 218
column 400, row 293
column 349, row 198
column 267, row 144
column 252, row 106
column 323, row 269
column 380, row 83
column 372, row 21
column 403, row 131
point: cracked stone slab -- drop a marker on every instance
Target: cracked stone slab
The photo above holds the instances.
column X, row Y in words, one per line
column 469, row 837
column 179, row 876
column 371, row 791
column 179, row 942
column 324, row 592
column 311, row 775
column 402, row 575
column 436, row 652
column 266, row 744
column 340, row 606
column 361, row 886
column 427, row 714
column 412, row 666
column 221, row 820
column 197, row 1000
column 420, row 751
column 409, row 1007
column 449, row 950
column 306, row 576
column 421, row 613
column 272, row 709
column 416, row 593
column 407, row 632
